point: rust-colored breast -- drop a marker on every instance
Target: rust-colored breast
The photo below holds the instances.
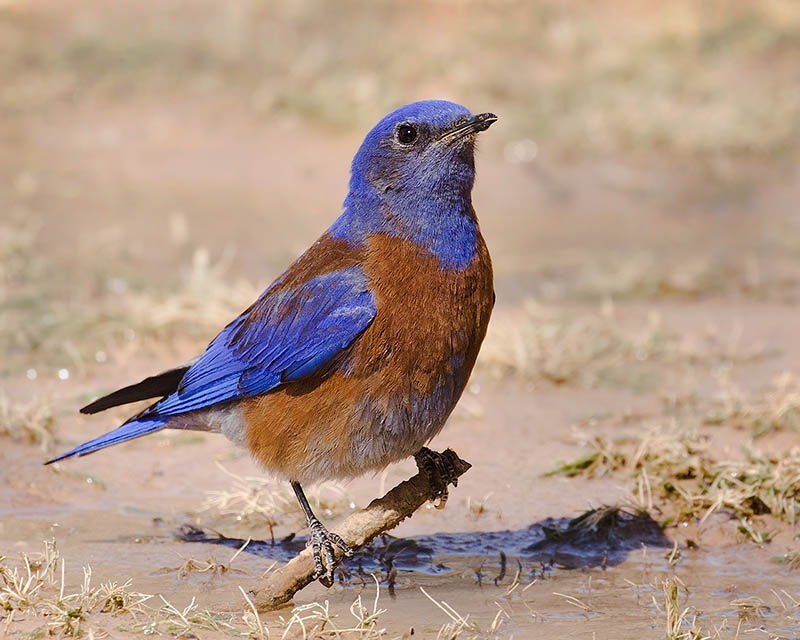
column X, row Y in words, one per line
column 428, row 319
column 393, row 390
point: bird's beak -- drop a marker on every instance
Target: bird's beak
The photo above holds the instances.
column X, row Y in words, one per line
column 481, row 122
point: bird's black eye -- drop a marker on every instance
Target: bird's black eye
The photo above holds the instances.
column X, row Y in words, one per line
column 406, row 134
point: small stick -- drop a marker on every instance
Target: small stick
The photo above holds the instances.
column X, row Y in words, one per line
column 277, row 588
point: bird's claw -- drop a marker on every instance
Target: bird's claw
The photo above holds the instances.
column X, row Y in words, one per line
column 322, row 544
column 439, row 469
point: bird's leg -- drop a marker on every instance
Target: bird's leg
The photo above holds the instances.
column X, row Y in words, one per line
column 438, row 467
column 322, row 541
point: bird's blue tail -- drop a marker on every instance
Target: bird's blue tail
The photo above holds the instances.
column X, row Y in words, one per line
column 127, row 431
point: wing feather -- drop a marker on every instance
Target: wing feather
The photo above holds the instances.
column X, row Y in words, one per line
column 282, row 337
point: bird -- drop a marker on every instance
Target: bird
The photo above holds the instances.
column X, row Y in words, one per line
column 356, row 355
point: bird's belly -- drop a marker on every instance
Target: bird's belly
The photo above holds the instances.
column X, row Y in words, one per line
column 339, row 429
column 388, row 426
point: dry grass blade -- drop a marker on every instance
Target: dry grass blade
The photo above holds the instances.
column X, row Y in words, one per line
column 575, row 602
column 252, row 618
column 681, row 623
column 457, row 624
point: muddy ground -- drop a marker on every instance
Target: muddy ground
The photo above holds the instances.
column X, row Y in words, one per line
column 162, row 162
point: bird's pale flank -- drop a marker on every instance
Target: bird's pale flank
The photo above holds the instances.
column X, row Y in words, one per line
column 356, row 355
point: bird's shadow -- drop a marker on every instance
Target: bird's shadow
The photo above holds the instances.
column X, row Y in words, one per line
column 598, row 538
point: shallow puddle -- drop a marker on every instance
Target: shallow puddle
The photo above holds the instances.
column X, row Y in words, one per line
column 554, row 577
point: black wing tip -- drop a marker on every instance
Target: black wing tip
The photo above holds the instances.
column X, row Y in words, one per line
column 156, row 386
column 114, row 399
column 93, row 407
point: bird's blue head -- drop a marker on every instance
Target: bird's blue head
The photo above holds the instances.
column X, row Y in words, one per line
column 412, row 177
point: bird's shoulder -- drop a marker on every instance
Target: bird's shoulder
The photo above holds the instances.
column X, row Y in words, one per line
column 326, row 255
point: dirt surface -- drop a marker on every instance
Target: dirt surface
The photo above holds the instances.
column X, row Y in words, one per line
column 156, row 174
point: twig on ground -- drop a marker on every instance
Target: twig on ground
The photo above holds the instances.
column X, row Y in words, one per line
column 277, row 588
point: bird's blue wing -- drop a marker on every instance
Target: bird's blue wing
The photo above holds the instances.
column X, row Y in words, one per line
column 282, row 337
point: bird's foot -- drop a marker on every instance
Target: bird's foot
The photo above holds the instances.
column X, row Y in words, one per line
column 322, row 544
column 439, row 469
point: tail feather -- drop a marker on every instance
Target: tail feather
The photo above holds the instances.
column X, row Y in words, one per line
column 134, row 429
column 156, row 386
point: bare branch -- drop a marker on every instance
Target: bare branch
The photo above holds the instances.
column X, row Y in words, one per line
column 278, row 588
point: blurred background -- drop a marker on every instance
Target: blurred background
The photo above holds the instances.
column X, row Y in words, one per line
column 162, row 161
column 660, row 138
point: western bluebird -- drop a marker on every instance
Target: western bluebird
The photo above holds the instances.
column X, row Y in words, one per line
column 356, row 355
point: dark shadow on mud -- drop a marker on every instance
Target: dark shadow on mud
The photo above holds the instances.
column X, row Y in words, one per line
column 598, row 538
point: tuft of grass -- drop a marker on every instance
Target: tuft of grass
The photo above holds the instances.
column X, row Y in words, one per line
column 120, row 316
column 597, row 349
column 206, row 300
column 31, row 421
column 19, row 263
column 775, row 408
column 604, row 459
column 174, row 621
column 564, row 348
column 259, row 502
column 677, row 451
column 649, row 275
column 682, row 467
column 315, row 620
column 751, row 609
column 35, row 586
column 682, row 620
column 191, row 566
column 790, row 559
